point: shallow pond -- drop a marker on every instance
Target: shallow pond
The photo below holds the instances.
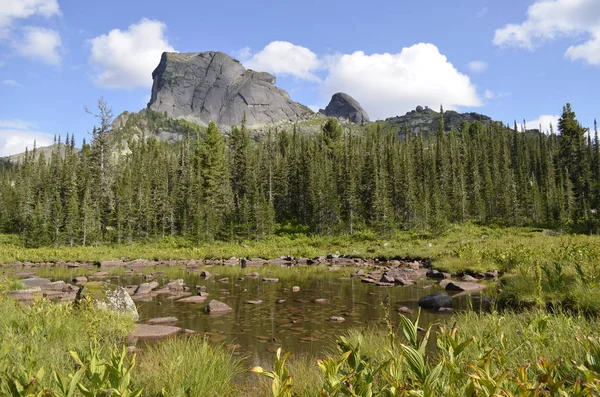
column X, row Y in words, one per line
column 287, row 319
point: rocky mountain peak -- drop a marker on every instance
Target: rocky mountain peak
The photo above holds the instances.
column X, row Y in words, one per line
column 212, row 86
column 344, row 106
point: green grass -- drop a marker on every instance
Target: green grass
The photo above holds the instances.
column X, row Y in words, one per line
column 187, row 367
column 536, row 351
column 42, row 334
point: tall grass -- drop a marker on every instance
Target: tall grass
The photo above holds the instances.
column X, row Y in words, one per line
column 188, row 367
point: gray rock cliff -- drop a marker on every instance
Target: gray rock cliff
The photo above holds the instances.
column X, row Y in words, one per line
column 344, row 106
column 212, row 86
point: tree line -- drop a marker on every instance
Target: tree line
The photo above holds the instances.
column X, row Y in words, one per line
column 210, row 186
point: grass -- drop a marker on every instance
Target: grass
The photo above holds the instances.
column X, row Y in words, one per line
column 532, row 353
column 187, row 367
column 569, row 275
column 42, row 335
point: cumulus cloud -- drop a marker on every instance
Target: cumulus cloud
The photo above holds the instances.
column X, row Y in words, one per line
column 477, row 66
column 11, row 10
column 391, row 84
column 284, row 58
column 551, row 19
column 126, row 59
column 17, row 135
column 39, row 44
column 544, row 122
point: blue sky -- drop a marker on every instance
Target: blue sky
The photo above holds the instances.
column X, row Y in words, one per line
column 509, row 59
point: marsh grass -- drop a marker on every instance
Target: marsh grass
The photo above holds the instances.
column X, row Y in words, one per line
column 188, row 366
column 42, row 334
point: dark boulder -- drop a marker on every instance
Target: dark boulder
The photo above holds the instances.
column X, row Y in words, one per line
column 435, row 301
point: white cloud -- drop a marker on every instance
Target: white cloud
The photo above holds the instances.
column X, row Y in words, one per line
column 550, row 19
column 477, row 66
column 489, row 94
column 126, row 59
column 10, row 83
column 22, row 9
column 285, row 58
column 17, row 135
column 392, row 84
column 39, row 44
column 543, row 122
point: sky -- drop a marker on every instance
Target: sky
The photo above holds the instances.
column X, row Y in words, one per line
column 510, row 59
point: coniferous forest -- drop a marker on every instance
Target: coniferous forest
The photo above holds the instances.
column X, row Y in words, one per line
column 214, row 186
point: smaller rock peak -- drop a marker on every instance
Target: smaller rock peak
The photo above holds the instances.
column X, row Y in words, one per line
column 344, row 106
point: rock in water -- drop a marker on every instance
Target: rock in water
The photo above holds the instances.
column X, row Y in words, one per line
column 344, row 106
column 212, row 86
column 216, row 307
column 435, row 301
column 107, row 296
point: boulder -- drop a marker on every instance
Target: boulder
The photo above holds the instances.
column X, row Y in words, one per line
column 216, row 307
column 344, row 106
column 145, row 288
column 464, row 286
column 193, row 299
column 107, row 296
column 212, row 86
column 438, row 275
column 146, row 331
column 35, row 282
column 435, row 301
column 80, row 280
column 387, row 279
column 162, row 320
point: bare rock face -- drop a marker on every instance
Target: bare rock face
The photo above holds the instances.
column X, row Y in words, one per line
column 212, row 86
column 344, row 106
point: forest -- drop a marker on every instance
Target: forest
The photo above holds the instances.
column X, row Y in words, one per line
column 213, row 186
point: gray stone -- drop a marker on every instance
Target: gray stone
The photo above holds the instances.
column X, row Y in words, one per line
column 145, row 288
column 270, row 280
column 464, row 286
column 320, row 300
column 404, row 309
column 435, row 301
column 212, row 86
column 344, row 106
column 337, row 319
column 146, row 331
column 295, row 288
column 216, row 307
column 255, row 302
column 468, row 278
column 437, row 274
column 193, row 299
column 35, row 282
column 80, row 280
column 162, row 320
column 107, row 296
column 387, row 279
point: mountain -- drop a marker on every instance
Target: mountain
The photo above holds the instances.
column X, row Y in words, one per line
column 428, row 120
column 212, row 86
column 344, row 106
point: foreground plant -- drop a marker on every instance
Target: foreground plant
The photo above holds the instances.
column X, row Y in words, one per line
column 282, row 381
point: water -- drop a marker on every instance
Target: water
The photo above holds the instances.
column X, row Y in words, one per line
column 298, row 324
